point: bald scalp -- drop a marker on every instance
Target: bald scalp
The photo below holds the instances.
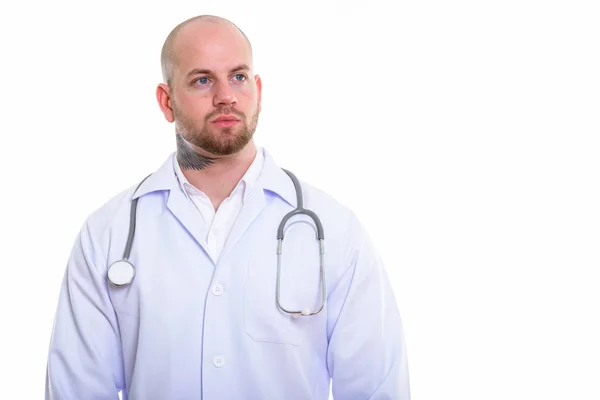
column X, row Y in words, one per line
column 168, row 57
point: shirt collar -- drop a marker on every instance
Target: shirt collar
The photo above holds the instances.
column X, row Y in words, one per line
column 244, row 185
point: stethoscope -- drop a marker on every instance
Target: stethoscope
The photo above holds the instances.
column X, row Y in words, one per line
column 121, row 273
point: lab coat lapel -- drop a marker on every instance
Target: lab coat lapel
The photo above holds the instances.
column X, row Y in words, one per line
column 164, row 179
column 188, row 216
column 272, row 179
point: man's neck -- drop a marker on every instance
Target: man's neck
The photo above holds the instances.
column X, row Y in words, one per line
column 220, row 176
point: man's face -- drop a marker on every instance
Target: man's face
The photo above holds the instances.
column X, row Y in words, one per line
column 212, row 80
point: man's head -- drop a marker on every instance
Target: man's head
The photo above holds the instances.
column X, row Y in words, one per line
column 208, row 75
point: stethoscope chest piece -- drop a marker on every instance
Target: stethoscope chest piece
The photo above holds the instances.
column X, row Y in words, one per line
column 121, row 273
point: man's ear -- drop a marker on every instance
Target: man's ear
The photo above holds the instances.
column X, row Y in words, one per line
column 163, row 96
column 258, row 89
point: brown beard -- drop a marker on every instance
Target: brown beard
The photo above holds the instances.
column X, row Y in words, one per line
column 225, row 142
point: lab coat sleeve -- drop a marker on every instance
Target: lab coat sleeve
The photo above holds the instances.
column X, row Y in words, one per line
column 84, row 360
column 367, row 353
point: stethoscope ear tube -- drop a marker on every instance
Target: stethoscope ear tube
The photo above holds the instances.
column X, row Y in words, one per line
column 132, row 220
column 311, row 214
column 299, row 210
column 121, row 273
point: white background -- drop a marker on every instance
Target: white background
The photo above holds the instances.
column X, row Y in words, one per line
column 463, row 133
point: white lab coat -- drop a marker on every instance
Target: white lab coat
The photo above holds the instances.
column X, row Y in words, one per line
column 189, row 329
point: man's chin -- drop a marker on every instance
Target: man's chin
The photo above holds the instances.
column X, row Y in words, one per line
column 226, row 148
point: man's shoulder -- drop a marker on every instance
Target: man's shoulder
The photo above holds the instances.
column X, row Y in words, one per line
column 315, row 196
column 119, row 204
column 105, row 214
column 332, row 210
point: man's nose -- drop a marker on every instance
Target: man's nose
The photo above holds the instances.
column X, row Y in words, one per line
column 224, row 95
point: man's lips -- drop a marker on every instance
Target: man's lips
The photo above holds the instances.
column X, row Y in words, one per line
column 225, row 118
column 225, row 121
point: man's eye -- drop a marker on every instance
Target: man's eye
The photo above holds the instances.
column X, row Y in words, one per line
column 240, row 77
column 202, row 81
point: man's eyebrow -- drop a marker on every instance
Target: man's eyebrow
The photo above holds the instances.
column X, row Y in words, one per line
column 197, row 71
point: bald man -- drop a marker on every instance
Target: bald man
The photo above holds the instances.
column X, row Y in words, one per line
column 194, row 302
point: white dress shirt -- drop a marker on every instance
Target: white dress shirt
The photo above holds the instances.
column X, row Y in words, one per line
column 219, row 223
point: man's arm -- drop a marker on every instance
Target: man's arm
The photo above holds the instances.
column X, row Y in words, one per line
column 367, row 353
column 84, row 360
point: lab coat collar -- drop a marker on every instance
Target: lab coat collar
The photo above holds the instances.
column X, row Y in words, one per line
column 275, row 180
column 272, row 178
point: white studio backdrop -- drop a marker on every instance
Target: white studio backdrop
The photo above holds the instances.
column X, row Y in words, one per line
column 464, row 135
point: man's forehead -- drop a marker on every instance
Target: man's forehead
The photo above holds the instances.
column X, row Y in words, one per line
column 207, row 37
column 211, row 47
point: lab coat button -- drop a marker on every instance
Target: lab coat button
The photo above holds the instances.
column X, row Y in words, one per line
column 218, row 289
column 219, row 361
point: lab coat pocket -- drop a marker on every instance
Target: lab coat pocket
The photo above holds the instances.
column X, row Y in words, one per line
column 299, row 288
column 263, row 320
